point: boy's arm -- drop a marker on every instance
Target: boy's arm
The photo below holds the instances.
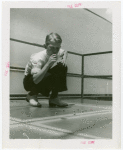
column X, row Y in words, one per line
column 64, row 58
column 38, row 74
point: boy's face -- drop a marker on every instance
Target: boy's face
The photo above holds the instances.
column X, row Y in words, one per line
column 53, row 48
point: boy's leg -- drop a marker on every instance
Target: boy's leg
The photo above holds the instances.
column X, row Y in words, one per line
column 59, row 72
column 54, row 93
column 32, row 95
column 54, row 80
column 41, row 87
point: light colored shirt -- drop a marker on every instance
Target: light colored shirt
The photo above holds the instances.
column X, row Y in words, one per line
column 38, row 60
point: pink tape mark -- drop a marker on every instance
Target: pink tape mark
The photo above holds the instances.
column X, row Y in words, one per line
column 8, row 65
column 69, row 6
column 91, row 142
column 75, row 5
column 6, row 72
column 83, row 142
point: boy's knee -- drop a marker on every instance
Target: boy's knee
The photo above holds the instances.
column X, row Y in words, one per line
column 58, row 69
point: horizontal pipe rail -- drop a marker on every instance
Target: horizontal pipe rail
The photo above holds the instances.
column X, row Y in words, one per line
column 74, row 75
column 96, row 95
column 89, row 54
column 38, row 45
column 104, row 97
column 20, row 69
column 109, row 77
column 34, row 44
column 99, row 75
column 74, row 53
column 17, row 70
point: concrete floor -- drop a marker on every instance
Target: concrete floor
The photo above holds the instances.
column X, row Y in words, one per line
column 90, row 120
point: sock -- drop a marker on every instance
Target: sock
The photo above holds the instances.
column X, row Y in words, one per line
column 32, row 93
column 54, row 93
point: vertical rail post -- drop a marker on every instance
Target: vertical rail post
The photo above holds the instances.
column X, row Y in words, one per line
column 82, row 79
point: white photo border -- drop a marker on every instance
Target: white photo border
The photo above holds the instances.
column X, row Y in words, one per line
column 115, row 6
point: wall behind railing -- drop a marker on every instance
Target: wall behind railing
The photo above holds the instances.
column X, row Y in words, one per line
column 81, row 31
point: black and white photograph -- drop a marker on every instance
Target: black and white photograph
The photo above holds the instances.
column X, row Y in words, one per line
column 60, row 71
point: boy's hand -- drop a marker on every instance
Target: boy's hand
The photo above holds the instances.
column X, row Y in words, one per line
column 63, row 62
column 52, row 60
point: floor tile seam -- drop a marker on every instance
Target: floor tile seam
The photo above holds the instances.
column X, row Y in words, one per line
column 73, row 117
column 14, row 123
column 19, row 107
column 16, row 119
column 62, row 130
column 69, row 132
column 90, row 136
column 47, row 130
column 44, row 129
column 98, row 106
column 83, row 104
column 56, row 130
column 53, row 117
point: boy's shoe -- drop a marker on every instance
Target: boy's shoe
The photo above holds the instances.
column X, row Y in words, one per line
column 56, row 102
column 33, row 100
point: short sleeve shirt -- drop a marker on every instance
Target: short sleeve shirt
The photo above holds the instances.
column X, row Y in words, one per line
column 38, row 60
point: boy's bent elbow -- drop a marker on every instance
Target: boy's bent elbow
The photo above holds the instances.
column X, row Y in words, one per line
column 35, row 73
column 35, row 79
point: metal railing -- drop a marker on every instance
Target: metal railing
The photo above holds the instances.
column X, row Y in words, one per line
column 109, row 77
column 82, row 75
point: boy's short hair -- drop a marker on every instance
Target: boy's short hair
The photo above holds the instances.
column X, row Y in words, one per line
column 53, row 37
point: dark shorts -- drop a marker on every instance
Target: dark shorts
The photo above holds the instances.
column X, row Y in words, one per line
column 54, row 78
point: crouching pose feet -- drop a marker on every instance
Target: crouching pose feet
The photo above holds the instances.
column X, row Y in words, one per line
column 46, row 72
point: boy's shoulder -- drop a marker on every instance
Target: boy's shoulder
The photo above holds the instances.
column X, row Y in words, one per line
column 61, row 51
column 38, row 56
